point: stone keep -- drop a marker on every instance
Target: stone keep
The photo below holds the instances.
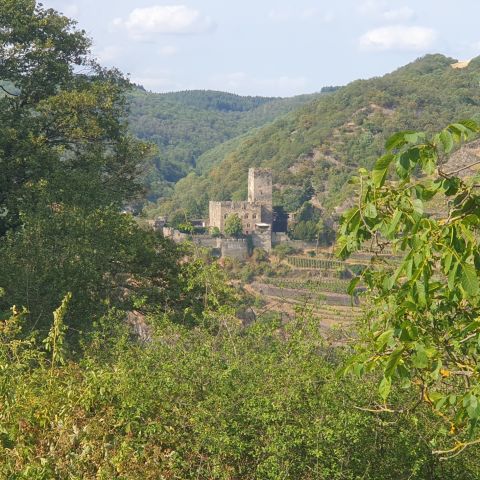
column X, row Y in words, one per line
column 256, row 213
column 260, row 191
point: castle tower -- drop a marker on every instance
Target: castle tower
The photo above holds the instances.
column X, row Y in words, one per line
column 260, row 186
column 260, row 192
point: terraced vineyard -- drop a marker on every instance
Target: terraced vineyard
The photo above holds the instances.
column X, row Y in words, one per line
column 318, row 284
column 315, row 263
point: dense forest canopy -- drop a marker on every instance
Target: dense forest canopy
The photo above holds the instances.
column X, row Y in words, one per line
column 327, row 139
column 69, row 165
column 184, row 125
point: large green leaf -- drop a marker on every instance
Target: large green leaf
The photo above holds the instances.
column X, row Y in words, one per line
column 385, row 387
column 469, row 279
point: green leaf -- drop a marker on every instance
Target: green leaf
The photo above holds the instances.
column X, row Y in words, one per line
column 383, row 162
column 379, row 177
column 414, row 137
column 472, row 407
column 352, row 285
column 370, row 211
column 452, row 276
column 384, row 339
column 420, row 359
column 428, row 162
column 395, row 141
column 385, row 387
column 469, row 279
column 397, row 216
column 470, row 124
column 379, row 173
column 393, row 362
column 421, row 294
column 417, row 205
column 446, row 140
column 447, row 262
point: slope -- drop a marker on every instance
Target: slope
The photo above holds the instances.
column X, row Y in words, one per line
column 325, row 141
column 186, row 124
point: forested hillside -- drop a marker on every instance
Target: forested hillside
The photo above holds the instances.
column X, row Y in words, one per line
column 328, row 139
column 184, row 125
column 125, row 356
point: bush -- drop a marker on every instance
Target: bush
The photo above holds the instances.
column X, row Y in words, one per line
column 283, row 250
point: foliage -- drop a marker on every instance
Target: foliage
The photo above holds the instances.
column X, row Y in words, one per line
column 282, row 250
column 323, row 142
column 233, row 226
column 68, row 167
column 422, row 328
column 316, row 285
column 255, row 402
column 185, row 125
column 315, row 263
column 215, row 232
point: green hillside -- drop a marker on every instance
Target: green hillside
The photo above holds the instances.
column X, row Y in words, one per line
column 184, row 125
column 326, row 140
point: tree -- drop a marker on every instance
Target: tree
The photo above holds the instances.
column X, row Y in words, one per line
column 233, row 226
column 68, row 167
column 422, row 326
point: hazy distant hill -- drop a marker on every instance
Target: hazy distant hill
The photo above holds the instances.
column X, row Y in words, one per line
column 329, row 138
column 184, row 125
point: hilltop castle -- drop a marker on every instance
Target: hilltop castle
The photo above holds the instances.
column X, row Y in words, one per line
column 256, row 213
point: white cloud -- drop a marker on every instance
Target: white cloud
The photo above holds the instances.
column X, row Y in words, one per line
column 372, row 7
column 146, row 23
column 71, row 10
column 399, row 15
column 313, row 13
column 380, row 10
column 108, row 54
column 168, row 50
column 398, row 37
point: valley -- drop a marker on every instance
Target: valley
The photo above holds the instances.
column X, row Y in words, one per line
column 200, row 285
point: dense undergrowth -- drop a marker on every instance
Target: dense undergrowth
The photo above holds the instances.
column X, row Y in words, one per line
column 233, row 402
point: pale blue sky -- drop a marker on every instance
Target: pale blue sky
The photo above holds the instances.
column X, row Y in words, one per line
column 268, row 47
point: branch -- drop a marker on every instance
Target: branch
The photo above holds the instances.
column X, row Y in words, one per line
column 457, row 450
column 381, row 409
column 449, row 174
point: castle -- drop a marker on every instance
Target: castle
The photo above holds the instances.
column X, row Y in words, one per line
column 256, row 213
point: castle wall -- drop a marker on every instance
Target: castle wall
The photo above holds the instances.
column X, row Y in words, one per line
column 262, row 239
column 257, row 210
column 234, row 248
column 249, row 213
column 279, row 237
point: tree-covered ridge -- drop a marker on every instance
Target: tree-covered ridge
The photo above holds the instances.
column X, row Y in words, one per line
column 184, row 125
column 324, row 141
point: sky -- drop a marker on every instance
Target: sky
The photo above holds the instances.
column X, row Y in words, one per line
column 270, row 47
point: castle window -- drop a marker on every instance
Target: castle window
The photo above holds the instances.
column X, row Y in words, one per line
column 225, row 216
column 246, row 215
column 254, row 216
column 248, row 225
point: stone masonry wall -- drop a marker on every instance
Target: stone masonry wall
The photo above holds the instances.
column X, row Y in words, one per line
column 234, row 248
column 260, row 185
column 249, row 213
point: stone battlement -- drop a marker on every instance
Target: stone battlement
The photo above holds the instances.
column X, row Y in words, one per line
column 256, row 211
